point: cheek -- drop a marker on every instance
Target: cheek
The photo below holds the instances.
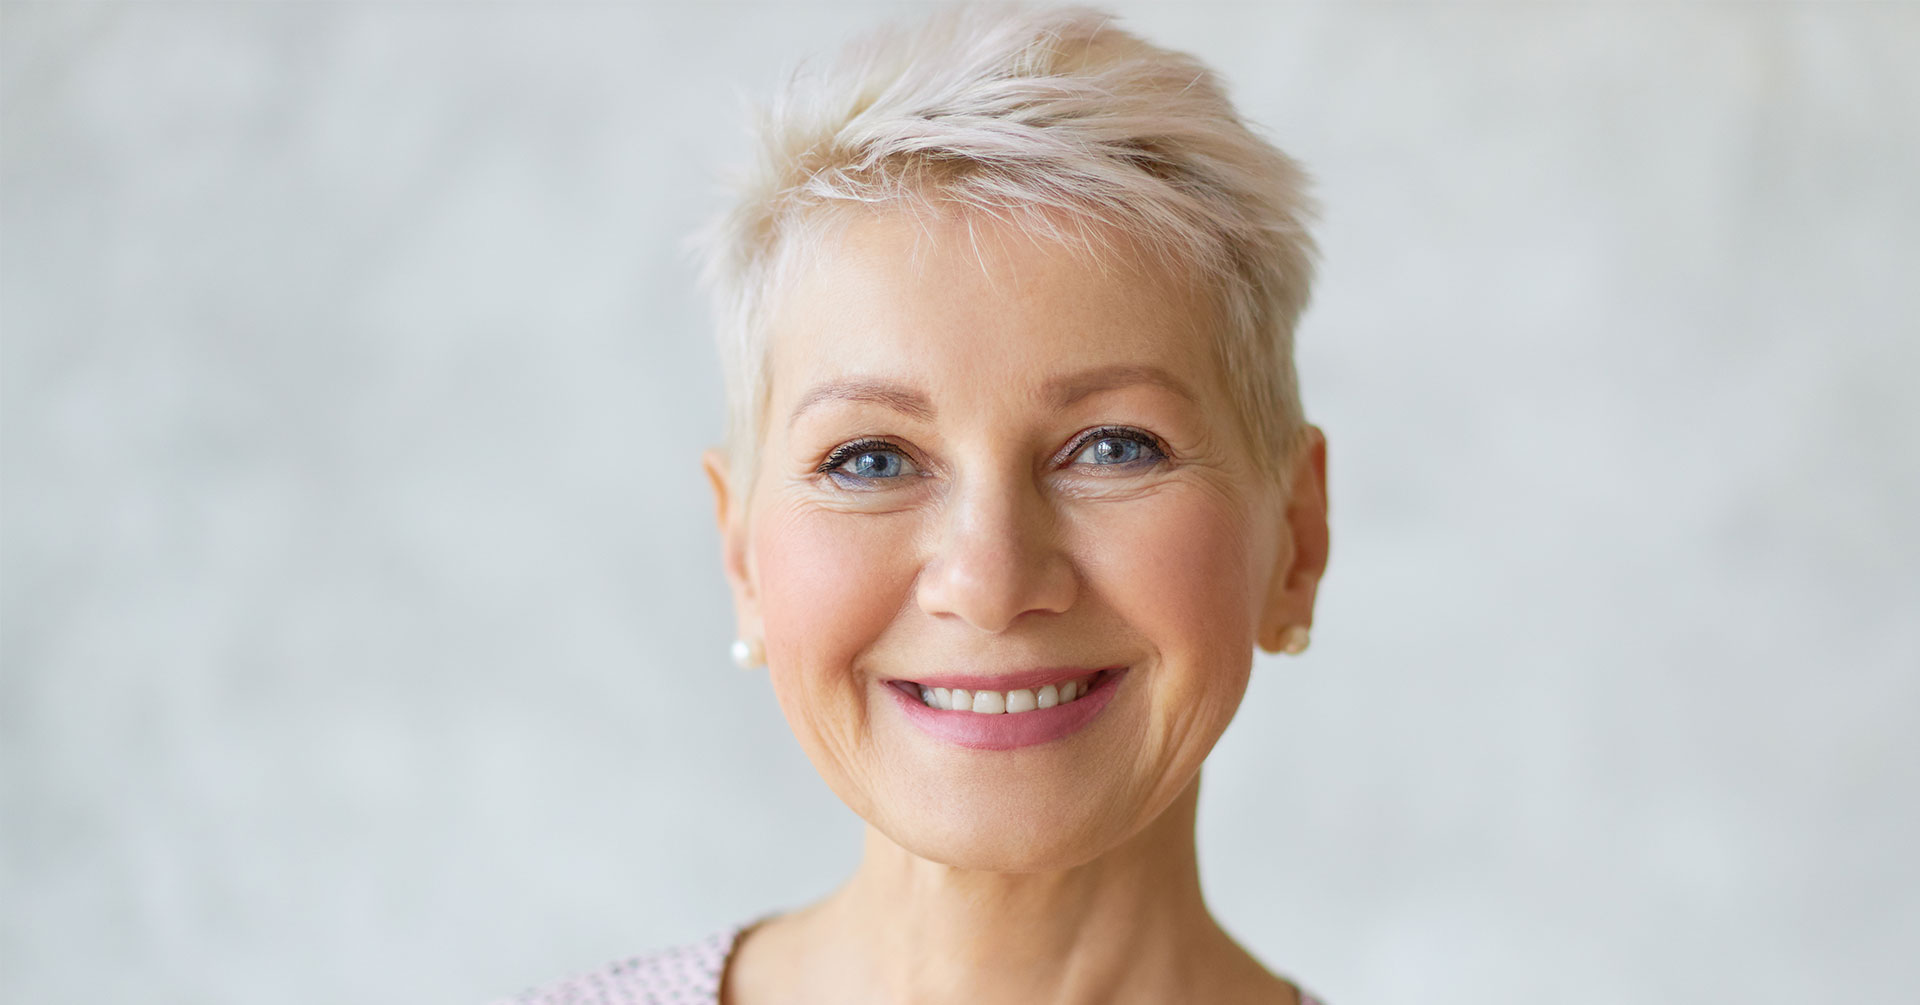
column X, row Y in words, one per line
column 1179, row 567
column 830, row 584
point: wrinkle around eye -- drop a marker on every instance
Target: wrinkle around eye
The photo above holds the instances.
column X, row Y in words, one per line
column 1110, row 489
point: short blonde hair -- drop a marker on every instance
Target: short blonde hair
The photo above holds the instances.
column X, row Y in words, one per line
column 1053, row 120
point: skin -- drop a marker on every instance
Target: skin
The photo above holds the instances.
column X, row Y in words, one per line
column 987, row 537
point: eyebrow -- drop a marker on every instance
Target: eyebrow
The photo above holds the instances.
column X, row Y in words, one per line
column 1071, row 388
column 898, row 397
column 1062, row 391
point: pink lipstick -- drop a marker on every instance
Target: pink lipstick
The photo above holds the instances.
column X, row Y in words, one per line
column 1007, row 730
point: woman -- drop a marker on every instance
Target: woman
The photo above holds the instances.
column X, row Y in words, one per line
column 1016, row 479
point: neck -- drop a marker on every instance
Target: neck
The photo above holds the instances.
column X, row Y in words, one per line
column 1129, row 925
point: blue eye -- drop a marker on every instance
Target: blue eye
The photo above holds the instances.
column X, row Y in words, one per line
column 869, row 461
column 1113, row 450
column 874, row 464
column 1116, row 448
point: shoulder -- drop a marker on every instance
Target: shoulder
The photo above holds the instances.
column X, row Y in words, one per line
column 687, row 974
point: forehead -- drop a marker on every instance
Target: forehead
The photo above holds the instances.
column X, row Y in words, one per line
column 968, row 303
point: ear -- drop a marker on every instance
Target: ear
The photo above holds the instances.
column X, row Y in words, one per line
column 1302, row 558
column 729, row 512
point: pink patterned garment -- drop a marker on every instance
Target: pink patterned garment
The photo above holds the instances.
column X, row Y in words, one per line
column 682, row 975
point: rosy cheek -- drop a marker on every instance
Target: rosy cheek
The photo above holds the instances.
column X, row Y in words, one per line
column 1177, row 567
column 830, row 584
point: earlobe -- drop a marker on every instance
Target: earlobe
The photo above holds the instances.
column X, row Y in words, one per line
column 1291, row 639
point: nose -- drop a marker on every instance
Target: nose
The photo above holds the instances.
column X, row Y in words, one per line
column 997, row 557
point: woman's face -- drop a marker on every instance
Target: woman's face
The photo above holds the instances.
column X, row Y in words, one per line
column 984, row 457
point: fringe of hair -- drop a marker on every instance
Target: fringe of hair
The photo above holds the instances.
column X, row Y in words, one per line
column 1055, row 121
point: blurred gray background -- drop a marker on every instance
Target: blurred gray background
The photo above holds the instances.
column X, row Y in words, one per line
column 364, row 638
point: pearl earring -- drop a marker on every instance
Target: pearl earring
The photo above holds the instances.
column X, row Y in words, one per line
column 748, row 654
column 1293, row 641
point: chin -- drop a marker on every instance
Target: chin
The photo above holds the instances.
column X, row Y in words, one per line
column 1034, row 841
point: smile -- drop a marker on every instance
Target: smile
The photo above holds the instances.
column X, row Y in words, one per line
column 1017, row 701
column 984, row 719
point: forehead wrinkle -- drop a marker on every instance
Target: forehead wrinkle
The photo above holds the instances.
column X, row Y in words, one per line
column 1061, row 392
column 899, row 397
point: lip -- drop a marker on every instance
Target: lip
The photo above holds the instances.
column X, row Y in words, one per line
column 1009, row 730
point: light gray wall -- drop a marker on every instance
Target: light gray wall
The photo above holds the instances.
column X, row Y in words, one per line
column 364, row 639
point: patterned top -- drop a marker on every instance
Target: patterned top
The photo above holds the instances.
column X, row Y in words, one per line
column 681, row 975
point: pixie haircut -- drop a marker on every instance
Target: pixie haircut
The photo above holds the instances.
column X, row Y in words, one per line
column 1053, row 121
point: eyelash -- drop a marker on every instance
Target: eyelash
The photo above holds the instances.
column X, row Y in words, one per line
column 847, row 451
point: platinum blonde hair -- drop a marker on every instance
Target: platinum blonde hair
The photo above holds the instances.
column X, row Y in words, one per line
column 1055, row 121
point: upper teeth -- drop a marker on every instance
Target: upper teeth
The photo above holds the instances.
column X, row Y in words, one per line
column 993, row 702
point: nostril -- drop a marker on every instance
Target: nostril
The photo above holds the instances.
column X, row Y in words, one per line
column 991, row 591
